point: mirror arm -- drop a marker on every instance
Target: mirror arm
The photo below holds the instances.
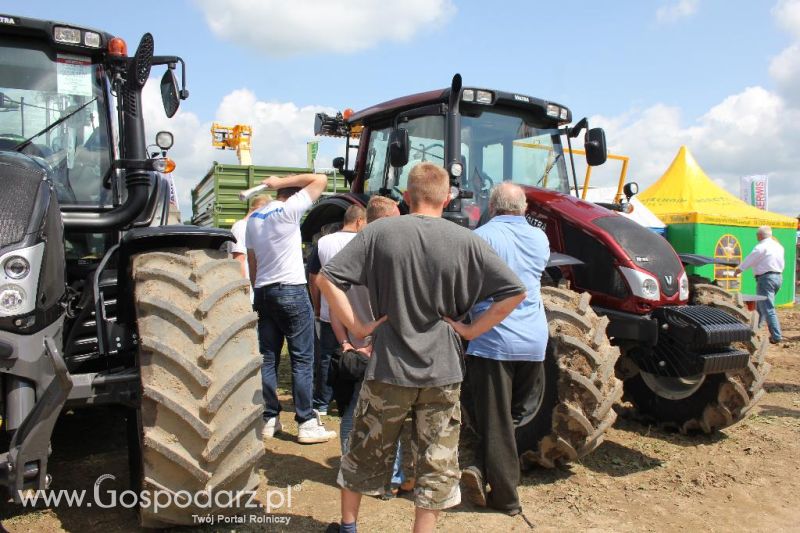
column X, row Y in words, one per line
column 572, row 164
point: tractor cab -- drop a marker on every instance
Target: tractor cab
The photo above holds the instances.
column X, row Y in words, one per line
column 482, row 137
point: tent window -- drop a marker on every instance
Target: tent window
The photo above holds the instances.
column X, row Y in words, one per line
column 729, row 249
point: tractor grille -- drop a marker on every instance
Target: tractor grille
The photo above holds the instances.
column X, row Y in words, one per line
column 20, row 185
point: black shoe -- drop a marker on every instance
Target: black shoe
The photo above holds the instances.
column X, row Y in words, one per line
column 773, row 341
column 474, row 487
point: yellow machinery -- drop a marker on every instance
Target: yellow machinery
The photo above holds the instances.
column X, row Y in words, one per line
column 233, row 138
column 622, row 174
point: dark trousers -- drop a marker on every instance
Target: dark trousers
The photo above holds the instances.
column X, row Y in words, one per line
column 285, row 313
column 500, row 393
column 323, row 391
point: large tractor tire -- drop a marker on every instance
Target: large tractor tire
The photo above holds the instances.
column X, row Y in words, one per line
column 201, row 405
column 578, row 386
column 702, row 403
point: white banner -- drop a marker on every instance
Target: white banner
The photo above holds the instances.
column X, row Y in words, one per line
column 754, row 190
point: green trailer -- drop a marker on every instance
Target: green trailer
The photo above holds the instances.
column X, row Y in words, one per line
column 215, row 200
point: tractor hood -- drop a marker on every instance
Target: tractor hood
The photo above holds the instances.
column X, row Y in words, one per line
column 631, row 245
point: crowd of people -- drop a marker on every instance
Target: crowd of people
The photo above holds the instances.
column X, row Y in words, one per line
column 398, row 309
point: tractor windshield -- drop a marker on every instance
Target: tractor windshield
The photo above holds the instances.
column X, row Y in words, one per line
column 53, row 107
column 499, row 147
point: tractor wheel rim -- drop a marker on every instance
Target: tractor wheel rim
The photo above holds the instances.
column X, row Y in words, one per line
column 673, row 388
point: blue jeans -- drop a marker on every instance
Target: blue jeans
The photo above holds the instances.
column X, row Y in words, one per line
column 323, row 392
column 346, row 426
column 767, row 285
column 285, row 313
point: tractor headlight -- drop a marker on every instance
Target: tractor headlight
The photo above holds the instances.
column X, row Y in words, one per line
column 642, row 284
column 12, row 298
column 684, row 287
column 16, row 267
column 650, row 289
column 19, row 280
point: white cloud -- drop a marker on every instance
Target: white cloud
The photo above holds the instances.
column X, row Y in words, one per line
column 280, row 132
column 755, row 131
column 288, row 27
column 752, row 132
column 787, row 15
column 674, row 11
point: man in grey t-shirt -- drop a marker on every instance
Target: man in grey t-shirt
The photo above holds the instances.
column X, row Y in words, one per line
column 419, row 269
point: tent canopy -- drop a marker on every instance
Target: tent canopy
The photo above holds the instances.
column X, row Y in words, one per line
column 686, row 195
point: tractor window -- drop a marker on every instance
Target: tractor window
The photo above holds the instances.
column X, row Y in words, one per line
column 426, row 142
column 39, row 87
column 512, row 149
column 376, row 160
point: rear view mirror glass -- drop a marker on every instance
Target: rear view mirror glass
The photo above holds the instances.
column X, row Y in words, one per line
column 169, row 93
column 398, row 147
column 595, row 146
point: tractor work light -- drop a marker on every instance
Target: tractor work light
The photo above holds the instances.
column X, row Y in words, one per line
column 468, row 95
column 11, row 298
column 164, row 140
column 16, row 267
column 62, row 34
column 456, row 169
column 553, row 110
column 563, row 113
column 484, row 97
column 92, row 39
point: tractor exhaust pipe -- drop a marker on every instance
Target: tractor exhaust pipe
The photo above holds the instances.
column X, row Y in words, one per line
column 133, row 146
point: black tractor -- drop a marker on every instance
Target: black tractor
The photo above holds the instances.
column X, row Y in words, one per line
column 101, row 301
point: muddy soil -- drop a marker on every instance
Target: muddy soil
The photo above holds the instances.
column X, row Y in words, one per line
column 640, row 479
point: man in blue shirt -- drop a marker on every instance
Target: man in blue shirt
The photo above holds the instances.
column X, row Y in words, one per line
column 503, row 363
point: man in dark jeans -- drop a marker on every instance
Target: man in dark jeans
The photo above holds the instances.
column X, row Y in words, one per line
column 504, row 363
column 275, row 257
column 355, row 218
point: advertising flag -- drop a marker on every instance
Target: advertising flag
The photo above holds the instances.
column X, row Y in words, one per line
column 754, row 190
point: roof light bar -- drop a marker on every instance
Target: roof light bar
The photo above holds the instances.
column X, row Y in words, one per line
column 62, row 34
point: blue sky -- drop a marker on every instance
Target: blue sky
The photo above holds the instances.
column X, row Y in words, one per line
column 637, row 67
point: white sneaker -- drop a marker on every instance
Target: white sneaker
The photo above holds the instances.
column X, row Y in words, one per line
column 312, row 431
column 271, row 427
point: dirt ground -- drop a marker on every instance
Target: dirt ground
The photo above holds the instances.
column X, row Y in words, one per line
column 640, row 479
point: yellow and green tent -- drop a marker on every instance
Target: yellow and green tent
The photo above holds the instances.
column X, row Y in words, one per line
column 703, row 218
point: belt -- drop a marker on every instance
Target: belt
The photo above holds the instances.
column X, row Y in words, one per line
column 765, row 273
column 280, row 284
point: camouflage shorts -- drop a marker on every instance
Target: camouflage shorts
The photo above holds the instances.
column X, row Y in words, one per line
column 378, row 419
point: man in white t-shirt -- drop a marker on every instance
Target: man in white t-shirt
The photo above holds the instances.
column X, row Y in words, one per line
column 238, row 248
column 275, row 258
column 328, row 246
column 767, row 261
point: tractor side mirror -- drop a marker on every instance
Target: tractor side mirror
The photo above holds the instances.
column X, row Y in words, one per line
column 595, row 146
column 338, row 163
column 169, row 93
column 398, row 147
column 630, row 189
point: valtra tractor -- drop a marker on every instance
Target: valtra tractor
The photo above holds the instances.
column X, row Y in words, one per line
column 102, row 302
column 690, row 357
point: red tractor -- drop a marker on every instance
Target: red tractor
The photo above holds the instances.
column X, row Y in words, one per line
column 621, row 309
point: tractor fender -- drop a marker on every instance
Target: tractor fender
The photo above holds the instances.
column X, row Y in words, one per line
column 329, row 209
